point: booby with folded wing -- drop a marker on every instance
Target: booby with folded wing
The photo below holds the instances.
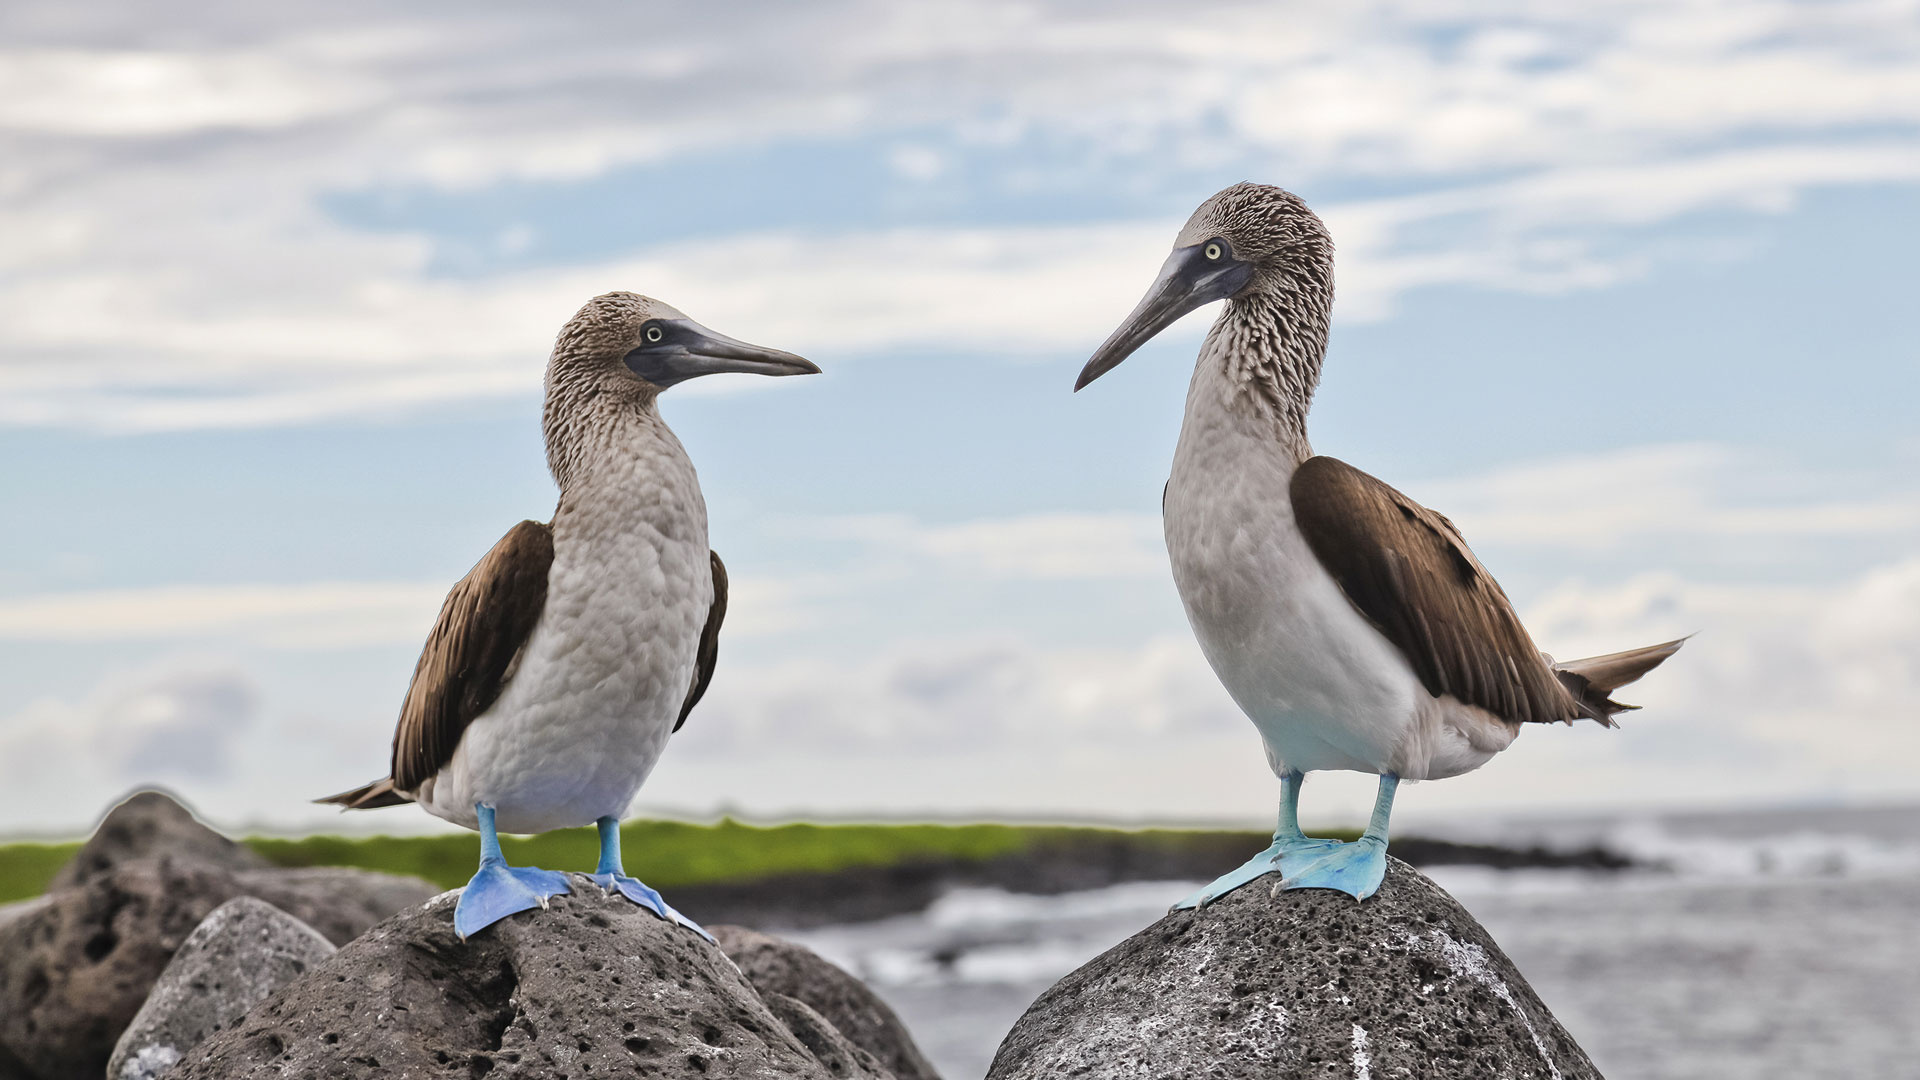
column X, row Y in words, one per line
column 1350, row 623
column 562, row 662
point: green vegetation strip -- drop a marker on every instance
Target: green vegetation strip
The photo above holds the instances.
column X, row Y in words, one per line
column 663, row 853
column 666, row 853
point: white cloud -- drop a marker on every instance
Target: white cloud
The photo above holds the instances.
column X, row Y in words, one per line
column 1033, row 546
column 169, row 264
column 982, row 696
column 1695, row 492
column 128, row 93
column 316, row 616
column 321, row 615
column 177, row 720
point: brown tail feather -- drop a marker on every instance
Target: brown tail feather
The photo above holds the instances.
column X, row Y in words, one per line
column 1591, row 680
column 369, row 796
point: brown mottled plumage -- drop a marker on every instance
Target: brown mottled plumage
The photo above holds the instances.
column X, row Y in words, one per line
column 476, row 644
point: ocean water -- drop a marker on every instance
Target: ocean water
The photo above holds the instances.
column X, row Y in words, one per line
column 1774, row 945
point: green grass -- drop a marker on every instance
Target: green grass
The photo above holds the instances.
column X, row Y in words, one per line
column 25, row 869
column 664, row 853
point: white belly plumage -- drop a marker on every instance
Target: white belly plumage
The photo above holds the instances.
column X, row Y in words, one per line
column 603, row 677
column 1325, row 689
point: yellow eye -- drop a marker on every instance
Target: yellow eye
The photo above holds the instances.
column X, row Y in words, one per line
column 1213, row 251
column 654, row 334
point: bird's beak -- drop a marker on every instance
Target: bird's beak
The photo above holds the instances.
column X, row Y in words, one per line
column 688, row 350
column 1187, row 280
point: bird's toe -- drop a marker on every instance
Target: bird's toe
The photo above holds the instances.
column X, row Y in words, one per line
column 1356, row 869
column 498, row 890
column 646, row 896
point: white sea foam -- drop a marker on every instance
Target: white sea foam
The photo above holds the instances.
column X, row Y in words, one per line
column 1804, row 852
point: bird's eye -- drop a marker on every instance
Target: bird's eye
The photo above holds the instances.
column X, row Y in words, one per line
column 1213, row 250
column 654, row 334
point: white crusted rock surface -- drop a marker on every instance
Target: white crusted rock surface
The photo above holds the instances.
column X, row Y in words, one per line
column 245, row 950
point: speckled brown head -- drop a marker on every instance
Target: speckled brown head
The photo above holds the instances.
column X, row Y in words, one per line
column 620, row 338
column 1247, row 240
column 622, row 349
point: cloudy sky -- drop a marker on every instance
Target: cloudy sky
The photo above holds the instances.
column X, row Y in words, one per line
column 1625, row 289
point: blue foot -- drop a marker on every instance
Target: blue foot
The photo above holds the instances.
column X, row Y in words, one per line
column 1285, row 857
column 1355, row 869
column 647, row 897
column 499, row 890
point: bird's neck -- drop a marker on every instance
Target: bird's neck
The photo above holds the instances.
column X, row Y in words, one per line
column 1259, row 367
column 594, row 430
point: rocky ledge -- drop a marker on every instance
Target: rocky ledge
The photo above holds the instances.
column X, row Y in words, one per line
column 77, row 965
column 592, row 986
column 200, row 961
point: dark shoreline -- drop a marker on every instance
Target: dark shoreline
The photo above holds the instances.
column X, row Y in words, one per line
column 866, row 893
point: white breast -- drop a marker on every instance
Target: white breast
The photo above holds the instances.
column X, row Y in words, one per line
column 601, row 681
column 1325, row 689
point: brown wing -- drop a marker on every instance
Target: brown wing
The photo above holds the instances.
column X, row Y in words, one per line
column 472, row 651
column 1408, row 571
column 709, row 653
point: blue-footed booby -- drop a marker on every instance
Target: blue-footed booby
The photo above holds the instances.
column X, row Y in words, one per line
column 562, row 662
column 1351, row 624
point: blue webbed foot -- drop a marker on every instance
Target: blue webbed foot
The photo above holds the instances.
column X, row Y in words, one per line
column 647, row 897
column 1355, row 869
column 498, row 890
column 1285, row 856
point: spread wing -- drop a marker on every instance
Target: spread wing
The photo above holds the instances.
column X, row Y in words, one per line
column 472, row 652
column 709, row 653
column 1408, row 571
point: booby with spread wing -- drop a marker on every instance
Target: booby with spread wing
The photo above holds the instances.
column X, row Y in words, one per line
column 562, row 662
column 1350, row 623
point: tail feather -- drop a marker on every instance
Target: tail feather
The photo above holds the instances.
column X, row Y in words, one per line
column 369, row 796
column 1591, row 680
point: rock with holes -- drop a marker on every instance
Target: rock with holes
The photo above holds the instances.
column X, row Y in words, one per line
column 237, row 956
column 1307, row 983
column 591, row 986
column 146, row 825
column 782, row 969
column 833, row 1050
column 75, row 970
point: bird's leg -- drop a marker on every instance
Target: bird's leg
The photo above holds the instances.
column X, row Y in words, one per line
column 1290, row 849
column 612, row 877
column 498, row 890
column 1357, row 868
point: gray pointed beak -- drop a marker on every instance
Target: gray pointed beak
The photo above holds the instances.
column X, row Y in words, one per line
column 1187, row 280
column 686, row 350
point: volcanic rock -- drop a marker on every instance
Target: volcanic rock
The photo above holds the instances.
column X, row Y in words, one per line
column 146, row 825
column 1295, row 984
column 591, row 986
column 780, row 968
column 237, row 956
column 75, row 970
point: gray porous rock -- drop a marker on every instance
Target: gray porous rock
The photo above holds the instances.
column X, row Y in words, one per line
column 339, row 901
column 237, row 956
column 591, row 986
column 145, row 825
column 19, row 909
column 833, row 1050
column 1305, row 983
column 75, row 970
column 782, row 968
